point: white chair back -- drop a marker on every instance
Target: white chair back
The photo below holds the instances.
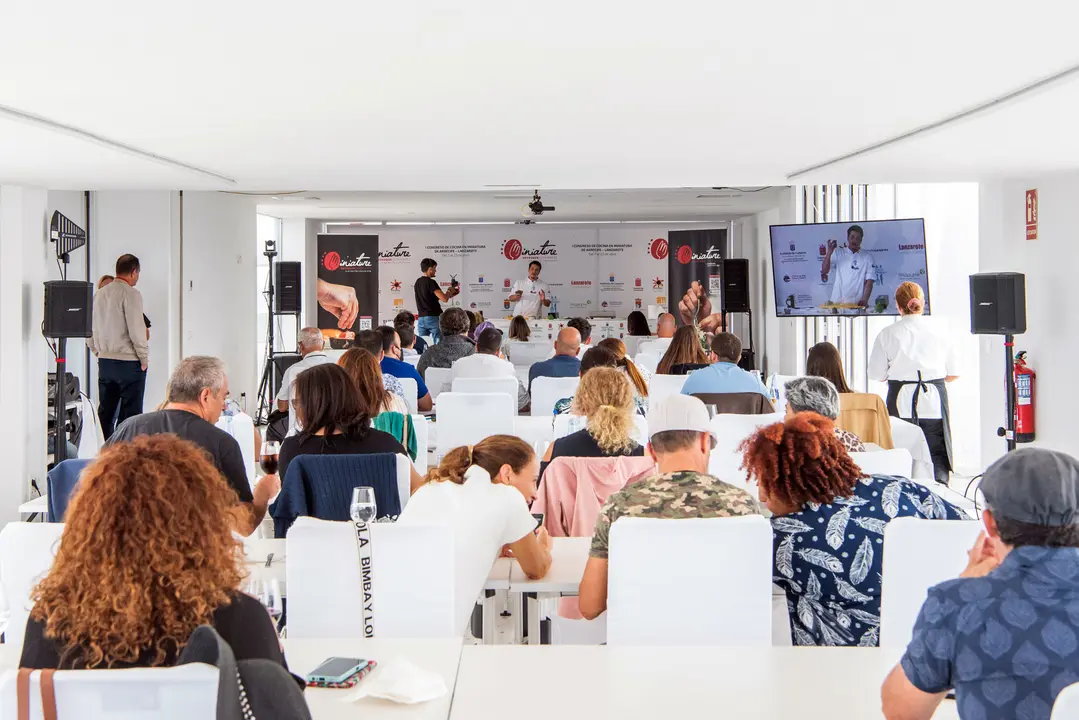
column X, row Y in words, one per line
column 655, row 346
column 467, row 418
column 533, row 429
column 726, row 460
column 241, row 427
column 649, row 361
column 1066, row 706
column 660, row 386
column 898, row 462
column 420, row 423
column 658, row 594
column 527, row 353
column 412, row 389
column 428, row 339
column 175, row 693
column 777, row 388
column 633, row 343
column 438, row 380
column 404, row 479
column 412, row 360
column 26, row 554
column 546, row 391
column 506, row 385
column 918, row 554
column 412, row 579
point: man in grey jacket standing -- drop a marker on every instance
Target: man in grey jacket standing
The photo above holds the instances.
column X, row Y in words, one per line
column 121, row 345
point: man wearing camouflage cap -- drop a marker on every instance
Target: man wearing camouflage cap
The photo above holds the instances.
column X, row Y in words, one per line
column 1005, row 635
column 680, row 443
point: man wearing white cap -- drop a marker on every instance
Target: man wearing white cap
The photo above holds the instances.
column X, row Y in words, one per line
column 680, row 443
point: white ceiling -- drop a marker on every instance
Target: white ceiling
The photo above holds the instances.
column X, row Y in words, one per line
column 441, row 96
column 507, row 205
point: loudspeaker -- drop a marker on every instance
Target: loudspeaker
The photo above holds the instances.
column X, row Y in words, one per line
column 748, row 361
column 287, row 287
column 736, row 285
column 998, row 304
column 69, row 309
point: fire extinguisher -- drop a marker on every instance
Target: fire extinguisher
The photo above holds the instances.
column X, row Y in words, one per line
column 1024, row 399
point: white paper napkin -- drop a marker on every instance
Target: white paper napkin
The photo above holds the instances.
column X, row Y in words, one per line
column 400, row 681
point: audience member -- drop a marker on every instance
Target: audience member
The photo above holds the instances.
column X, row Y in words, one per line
column 488, row 362
column 637, row 325
column 310, row 344
column 665, row 326
column 827, row 514
column 454, row 344
column 680, row 443
column 376, row 342
column 405, row 317
column 482, row 493
column 367, row 376
column 638, row 377
column 336, row 420
column 605, row 397
column 824, row 361
column 819, row 395
column 104, row 280
column 564, row 363
column 1003, row 635
column 408, row 341
column 520, row 329
column 724, row 375
column 198, row 389
column 147, row 555
column 596, row 357
column 582, row 326
column 473, row 323
column 394, row 365
column 684, row 354
column 120, row 343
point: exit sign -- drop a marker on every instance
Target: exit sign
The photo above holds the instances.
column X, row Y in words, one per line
column 1032, row 214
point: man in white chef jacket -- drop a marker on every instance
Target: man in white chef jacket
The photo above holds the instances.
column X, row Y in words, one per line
column 531, row 294
column 853, row 270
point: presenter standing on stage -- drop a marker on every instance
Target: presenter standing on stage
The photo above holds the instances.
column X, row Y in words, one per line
column 853, row 270
column 428, row 297
column 531, row 294
column 917, row 359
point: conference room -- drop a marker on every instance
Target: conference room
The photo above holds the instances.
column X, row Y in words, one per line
column 360, row 362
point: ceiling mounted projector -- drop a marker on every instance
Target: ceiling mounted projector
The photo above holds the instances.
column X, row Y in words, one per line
column 537, row 207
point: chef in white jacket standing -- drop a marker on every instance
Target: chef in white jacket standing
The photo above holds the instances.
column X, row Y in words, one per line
column 531, row 294
column 917, row 359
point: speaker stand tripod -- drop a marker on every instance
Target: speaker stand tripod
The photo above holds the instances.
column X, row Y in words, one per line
column 1008, row 431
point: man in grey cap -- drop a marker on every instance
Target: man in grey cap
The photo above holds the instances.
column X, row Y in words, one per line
column 1005, row 635
column 680, row 443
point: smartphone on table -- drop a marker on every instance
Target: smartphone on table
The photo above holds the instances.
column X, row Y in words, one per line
column 339, row 672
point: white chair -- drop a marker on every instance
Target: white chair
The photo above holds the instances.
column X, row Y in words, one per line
column 533, row 430
column 26, row 554
column 241, row 427
column 404, row 479
column 660, row 593
column 546, row 391
column 726, row 460
column 507, row 385
column 660, row 386
column 898, row 462
column 1066, row 706
column 918, row 554
column 527, row 353
column 633, row 343
column 412, row 581
column 655, row 346
column 777, row 387
column 438, row 380
column 412, row 360
column 648, row 361
column 467, row 418
column 175, row 693
column 427, row 339
column 422, row 427
column 411, row 389
column 566, row 424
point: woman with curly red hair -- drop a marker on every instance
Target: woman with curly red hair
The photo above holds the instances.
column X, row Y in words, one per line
column 147, row 555
column 828, row 521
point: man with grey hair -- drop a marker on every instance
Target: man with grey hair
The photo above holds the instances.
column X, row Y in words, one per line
column 197, row 392
column 310, row 344
column 819, row 395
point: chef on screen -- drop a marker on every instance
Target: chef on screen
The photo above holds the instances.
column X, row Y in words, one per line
column 853, row 270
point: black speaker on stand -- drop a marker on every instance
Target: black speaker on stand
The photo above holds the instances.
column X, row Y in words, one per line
column 283, row 297
column 735, row 299
column 998, row 306
column 287, row 288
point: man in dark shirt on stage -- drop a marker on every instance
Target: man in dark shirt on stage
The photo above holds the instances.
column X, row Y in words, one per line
column 428, row 297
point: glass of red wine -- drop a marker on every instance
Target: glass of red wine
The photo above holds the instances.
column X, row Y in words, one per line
column 268, row 458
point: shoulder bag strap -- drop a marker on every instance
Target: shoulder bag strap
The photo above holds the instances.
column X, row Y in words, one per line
column 48, row 695
column 23, row 691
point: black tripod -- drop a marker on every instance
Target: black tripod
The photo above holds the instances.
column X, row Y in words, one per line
column 267, row 391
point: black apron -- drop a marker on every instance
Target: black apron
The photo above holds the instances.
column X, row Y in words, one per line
column 938, row 433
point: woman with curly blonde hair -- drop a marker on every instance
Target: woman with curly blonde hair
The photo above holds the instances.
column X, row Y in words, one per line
column 605, row 398
column 147, row 555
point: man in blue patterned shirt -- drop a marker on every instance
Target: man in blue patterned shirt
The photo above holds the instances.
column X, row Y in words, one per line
column 1005, row 635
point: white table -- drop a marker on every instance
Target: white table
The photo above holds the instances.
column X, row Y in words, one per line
column 39, row 504
column 656, row 682
column 439, row 655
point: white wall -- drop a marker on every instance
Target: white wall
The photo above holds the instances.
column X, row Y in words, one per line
column 1052, row 337
column 775, row 337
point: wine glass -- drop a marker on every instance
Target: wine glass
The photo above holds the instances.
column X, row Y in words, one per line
column 363, row 508
column 268, row 457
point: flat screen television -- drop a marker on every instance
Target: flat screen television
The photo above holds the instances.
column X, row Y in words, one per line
column 848, row 268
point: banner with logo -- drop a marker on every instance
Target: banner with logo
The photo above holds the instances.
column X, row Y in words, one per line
column 632, row 269
column 696, row 255
column 347, row 283
column 400, row 252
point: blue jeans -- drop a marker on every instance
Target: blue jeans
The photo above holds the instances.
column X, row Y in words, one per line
column 428, row 325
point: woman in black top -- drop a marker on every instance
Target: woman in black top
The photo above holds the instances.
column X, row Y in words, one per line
column 126, row 589
column 335, row 420
column 605, row 398
column 637, row 325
